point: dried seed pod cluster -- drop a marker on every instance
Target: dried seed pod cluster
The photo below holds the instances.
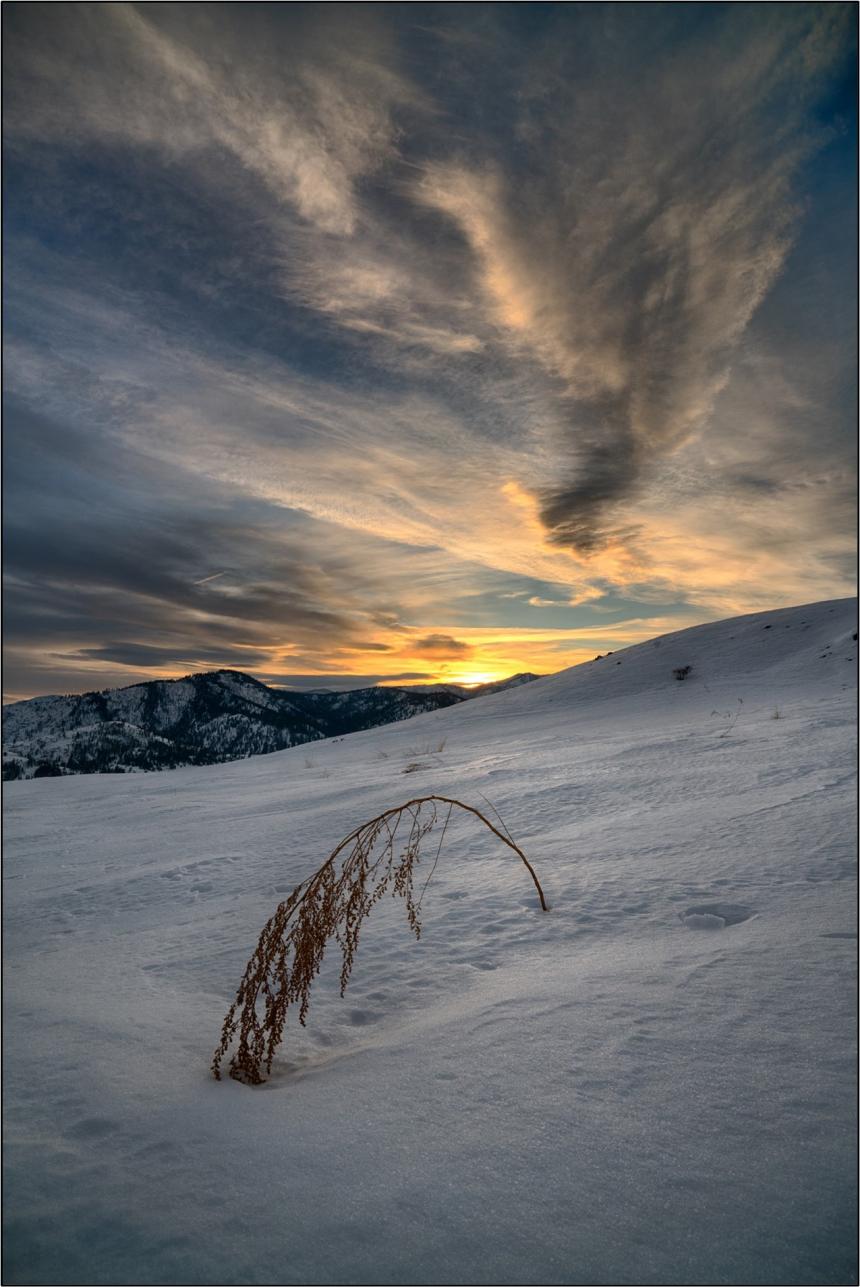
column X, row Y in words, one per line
column 380, row 855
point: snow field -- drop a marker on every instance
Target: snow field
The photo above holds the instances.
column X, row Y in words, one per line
column 654, row 1082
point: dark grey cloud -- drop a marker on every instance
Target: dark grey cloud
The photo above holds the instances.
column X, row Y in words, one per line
column 98, row 539
column 342, row 682
column 149, row 656
column 607, row 472
column 440, row 645
column 366, row 645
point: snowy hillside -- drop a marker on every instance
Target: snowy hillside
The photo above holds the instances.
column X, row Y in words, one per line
column 202, row 719
column 651, row 1083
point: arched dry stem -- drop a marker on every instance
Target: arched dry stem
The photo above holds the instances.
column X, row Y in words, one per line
column 332, row 904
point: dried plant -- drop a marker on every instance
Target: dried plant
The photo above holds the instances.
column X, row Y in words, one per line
column 378, row 856
column 732, row 717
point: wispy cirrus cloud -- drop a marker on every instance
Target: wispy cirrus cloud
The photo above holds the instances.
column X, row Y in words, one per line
column 334, row 324
column 631, row 265
column 158, row 81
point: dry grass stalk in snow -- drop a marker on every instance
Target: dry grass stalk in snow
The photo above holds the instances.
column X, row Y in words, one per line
column 332, row 904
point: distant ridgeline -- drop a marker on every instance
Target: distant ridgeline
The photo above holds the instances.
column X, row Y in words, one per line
column 203, row 719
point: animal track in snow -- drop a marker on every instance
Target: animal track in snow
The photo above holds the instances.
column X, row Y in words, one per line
column 715, row 916
column 92, row 1128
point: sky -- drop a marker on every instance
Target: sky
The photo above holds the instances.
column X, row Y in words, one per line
column 399, row 343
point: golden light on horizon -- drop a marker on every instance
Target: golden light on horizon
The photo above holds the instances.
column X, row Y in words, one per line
column 474, row 677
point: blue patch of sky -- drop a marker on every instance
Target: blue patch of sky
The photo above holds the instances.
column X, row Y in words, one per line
column 505, row 600
column 191, row 258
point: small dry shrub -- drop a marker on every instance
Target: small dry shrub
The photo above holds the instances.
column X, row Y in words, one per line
column 427, row 748
column 379, row 856
column 732, row 717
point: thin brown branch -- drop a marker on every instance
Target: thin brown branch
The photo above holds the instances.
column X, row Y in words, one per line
column 331, row 904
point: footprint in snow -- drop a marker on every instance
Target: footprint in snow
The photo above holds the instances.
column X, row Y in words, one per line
column 715, row 916
column 360, row 1017
column 92, row 1128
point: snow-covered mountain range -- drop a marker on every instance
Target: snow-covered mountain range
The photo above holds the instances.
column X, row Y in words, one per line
column 201, row 719
column 652, row 1082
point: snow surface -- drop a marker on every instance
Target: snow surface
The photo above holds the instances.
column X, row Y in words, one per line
column 651, row 1083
